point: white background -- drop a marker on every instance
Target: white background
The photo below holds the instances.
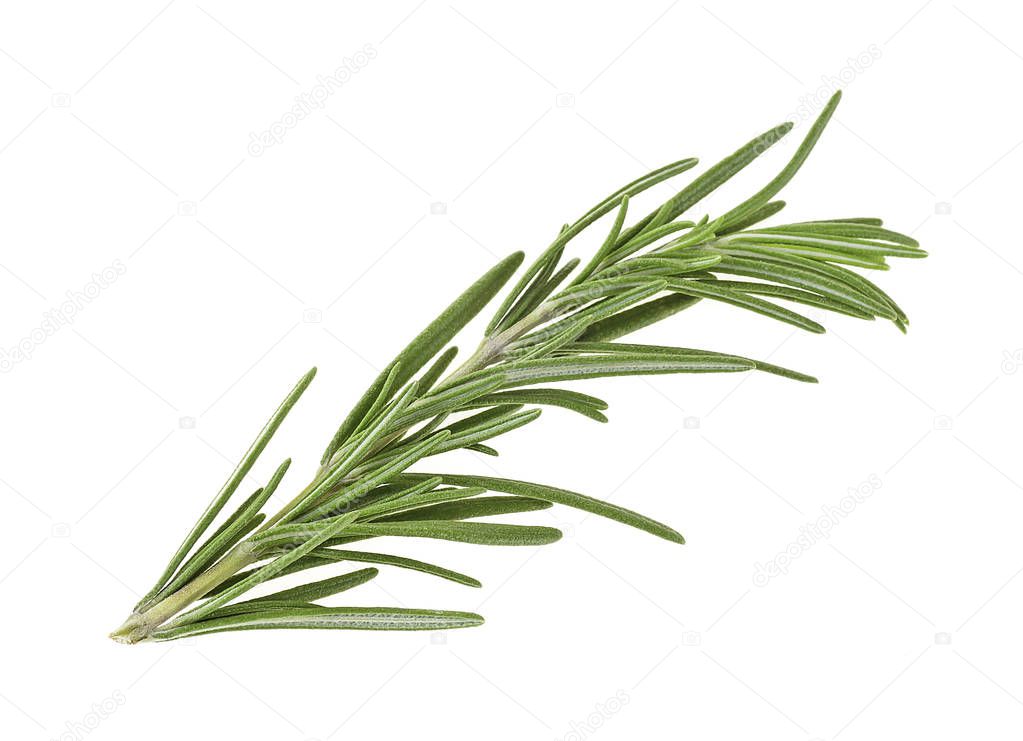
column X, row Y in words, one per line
column 124, row 144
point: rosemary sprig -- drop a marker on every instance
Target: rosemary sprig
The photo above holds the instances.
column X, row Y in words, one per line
column 544, row 331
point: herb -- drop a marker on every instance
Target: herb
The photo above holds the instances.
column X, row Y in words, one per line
column 559, row 322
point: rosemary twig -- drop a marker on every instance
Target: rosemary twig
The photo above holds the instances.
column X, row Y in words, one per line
column 545, row 331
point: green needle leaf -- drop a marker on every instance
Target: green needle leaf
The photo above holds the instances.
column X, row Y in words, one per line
column 321, row 589
column 624, row 350
column 761, row 198
column 609, row 243
column 481, row 448
column 251, row 607
column 486, row 430
column 710, row 289
column 671, row 266
column 467, row 509
column 479, row 533
column 811, row 275
column 795, row 294
column 435, row 371
column 637, row 317
column 336, row 554
column 567, row 498
column 588, row 406
column 337, row 618
column 415, row 502
column 451, row 398
column 753, row 217
column 388, row 389
column 791, row 237
column 869, row 229
column 579, row 368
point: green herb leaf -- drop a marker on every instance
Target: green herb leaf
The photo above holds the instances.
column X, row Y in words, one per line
column 567, row 498
column 710, row 289
column 631, row 320
column 320, row 589
column 578, row 368
column 588, row 406
column 337, row 618
column 479, row 533
column 769, row 191
column 403, row 504
column 435, row 371
column 467, row 509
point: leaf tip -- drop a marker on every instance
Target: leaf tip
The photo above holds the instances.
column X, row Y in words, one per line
column 514, row 260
